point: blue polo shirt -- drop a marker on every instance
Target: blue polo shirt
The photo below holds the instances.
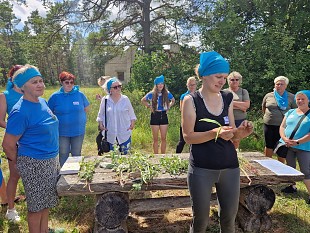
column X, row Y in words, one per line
column 160, row 106
column 69, row 109
column 38, row 128
column 183, row 95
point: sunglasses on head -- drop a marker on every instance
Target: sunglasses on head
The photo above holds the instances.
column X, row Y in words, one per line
column 234, row 80
column 68, row 82
column 118, row 86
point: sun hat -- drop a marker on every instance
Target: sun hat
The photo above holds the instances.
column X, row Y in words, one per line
column 212, row 63
column 159, row 79
column 21, row 78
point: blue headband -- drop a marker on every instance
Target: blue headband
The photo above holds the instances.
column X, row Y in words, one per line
column 305, row 92
column 24, row 77
column 110, row 82
column 159, row 79
column 212, row 63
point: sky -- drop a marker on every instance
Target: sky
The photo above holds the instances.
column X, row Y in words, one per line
column 23, row 11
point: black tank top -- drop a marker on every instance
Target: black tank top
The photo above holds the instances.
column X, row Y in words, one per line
column 212, row 155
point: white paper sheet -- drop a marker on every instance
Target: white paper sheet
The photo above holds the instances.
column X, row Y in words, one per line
column 71, row 166
column 278, row 167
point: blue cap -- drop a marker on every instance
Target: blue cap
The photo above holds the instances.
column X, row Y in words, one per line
column 24, row 77
column 212, row 63
column 110, row 82
column 159, row 79
column 305, row 92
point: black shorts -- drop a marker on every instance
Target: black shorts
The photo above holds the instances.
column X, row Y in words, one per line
column 272, row 135
column 159, row 118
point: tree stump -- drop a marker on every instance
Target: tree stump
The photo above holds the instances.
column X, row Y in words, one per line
column 111, row 213
column 254, row 203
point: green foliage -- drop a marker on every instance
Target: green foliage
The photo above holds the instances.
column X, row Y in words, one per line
column 176, row 67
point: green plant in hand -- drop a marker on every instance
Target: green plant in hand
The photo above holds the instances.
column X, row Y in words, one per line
column 215, row 122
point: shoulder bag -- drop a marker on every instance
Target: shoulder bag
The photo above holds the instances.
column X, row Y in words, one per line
column 281, row 149
column 105, row 146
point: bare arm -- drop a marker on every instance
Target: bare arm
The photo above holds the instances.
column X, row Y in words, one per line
column 171, row 103
column 3, row 108
column 242, row 105
column 86, row 109
column 146, row 103
column 9, row 146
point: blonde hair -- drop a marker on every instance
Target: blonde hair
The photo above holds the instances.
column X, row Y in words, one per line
column 281, row 78
column 192, row 78
column 23, row 69
column 235, row 74
column 102, row 80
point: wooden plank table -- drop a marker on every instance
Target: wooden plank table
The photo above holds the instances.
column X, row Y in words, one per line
column 107, row 186
column 105, row 180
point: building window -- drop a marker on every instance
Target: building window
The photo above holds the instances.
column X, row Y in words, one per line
column 120, row 76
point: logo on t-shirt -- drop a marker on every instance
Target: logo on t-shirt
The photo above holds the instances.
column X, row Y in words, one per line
column 76, row 103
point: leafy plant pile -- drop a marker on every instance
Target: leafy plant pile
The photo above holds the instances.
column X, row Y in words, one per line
column 87, row 170
column 147, row 166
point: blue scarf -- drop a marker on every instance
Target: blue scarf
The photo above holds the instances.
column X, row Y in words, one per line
column 282, row 101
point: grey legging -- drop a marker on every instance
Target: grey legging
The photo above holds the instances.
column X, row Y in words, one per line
column 227, row 183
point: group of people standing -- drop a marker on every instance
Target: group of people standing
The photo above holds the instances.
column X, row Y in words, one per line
column 37, row 131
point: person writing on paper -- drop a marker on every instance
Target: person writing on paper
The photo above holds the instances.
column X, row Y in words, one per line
column 213, row 158
column 299, row 146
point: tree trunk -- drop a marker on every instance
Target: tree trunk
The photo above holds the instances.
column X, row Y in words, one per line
column 111, row 213
column 254, row 203
column 258, row 199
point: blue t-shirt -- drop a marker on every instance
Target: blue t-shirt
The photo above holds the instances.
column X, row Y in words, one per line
column 160, row 106
column 38, row 127
column 69, row 109
column 183, row 95
column 11, row 97
column 292, row 118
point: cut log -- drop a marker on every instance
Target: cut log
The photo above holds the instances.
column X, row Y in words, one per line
column 247, row 221
column 111, row 212
column 258, row 199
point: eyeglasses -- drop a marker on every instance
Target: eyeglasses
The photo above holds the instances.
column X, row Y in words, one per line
column 68, row 82
column 232, row 80
column 191, row 85
column 119, row 86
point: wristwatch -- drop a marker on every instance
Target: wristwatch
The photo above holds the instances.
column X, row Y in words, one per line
column 297, row 142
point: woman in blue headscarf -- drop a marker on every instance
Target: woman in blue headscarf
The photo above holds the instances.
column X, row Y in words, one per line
column 299, row 145
column 116, row 116
column 159, row 101
column 275, row 104
column 213, row 159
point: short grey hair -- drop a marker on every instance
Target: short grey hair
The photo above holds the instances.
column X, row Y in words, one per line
column 281, row 78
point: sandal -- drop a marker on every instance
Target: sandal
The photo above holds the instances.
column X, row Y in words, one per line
column 19, row 198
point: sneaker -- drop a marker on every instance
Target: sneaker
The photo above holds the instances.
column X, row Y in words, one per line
column 289, row 189
column 12, row 215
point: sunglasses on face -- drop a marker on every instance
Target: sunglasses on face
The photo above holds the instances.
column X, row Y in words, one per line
column 68, row 82
column 232, row 80
column 119, row 86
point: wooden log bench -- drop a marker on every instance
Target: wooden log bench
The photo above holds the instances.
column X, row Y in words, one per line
column 113, row 203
